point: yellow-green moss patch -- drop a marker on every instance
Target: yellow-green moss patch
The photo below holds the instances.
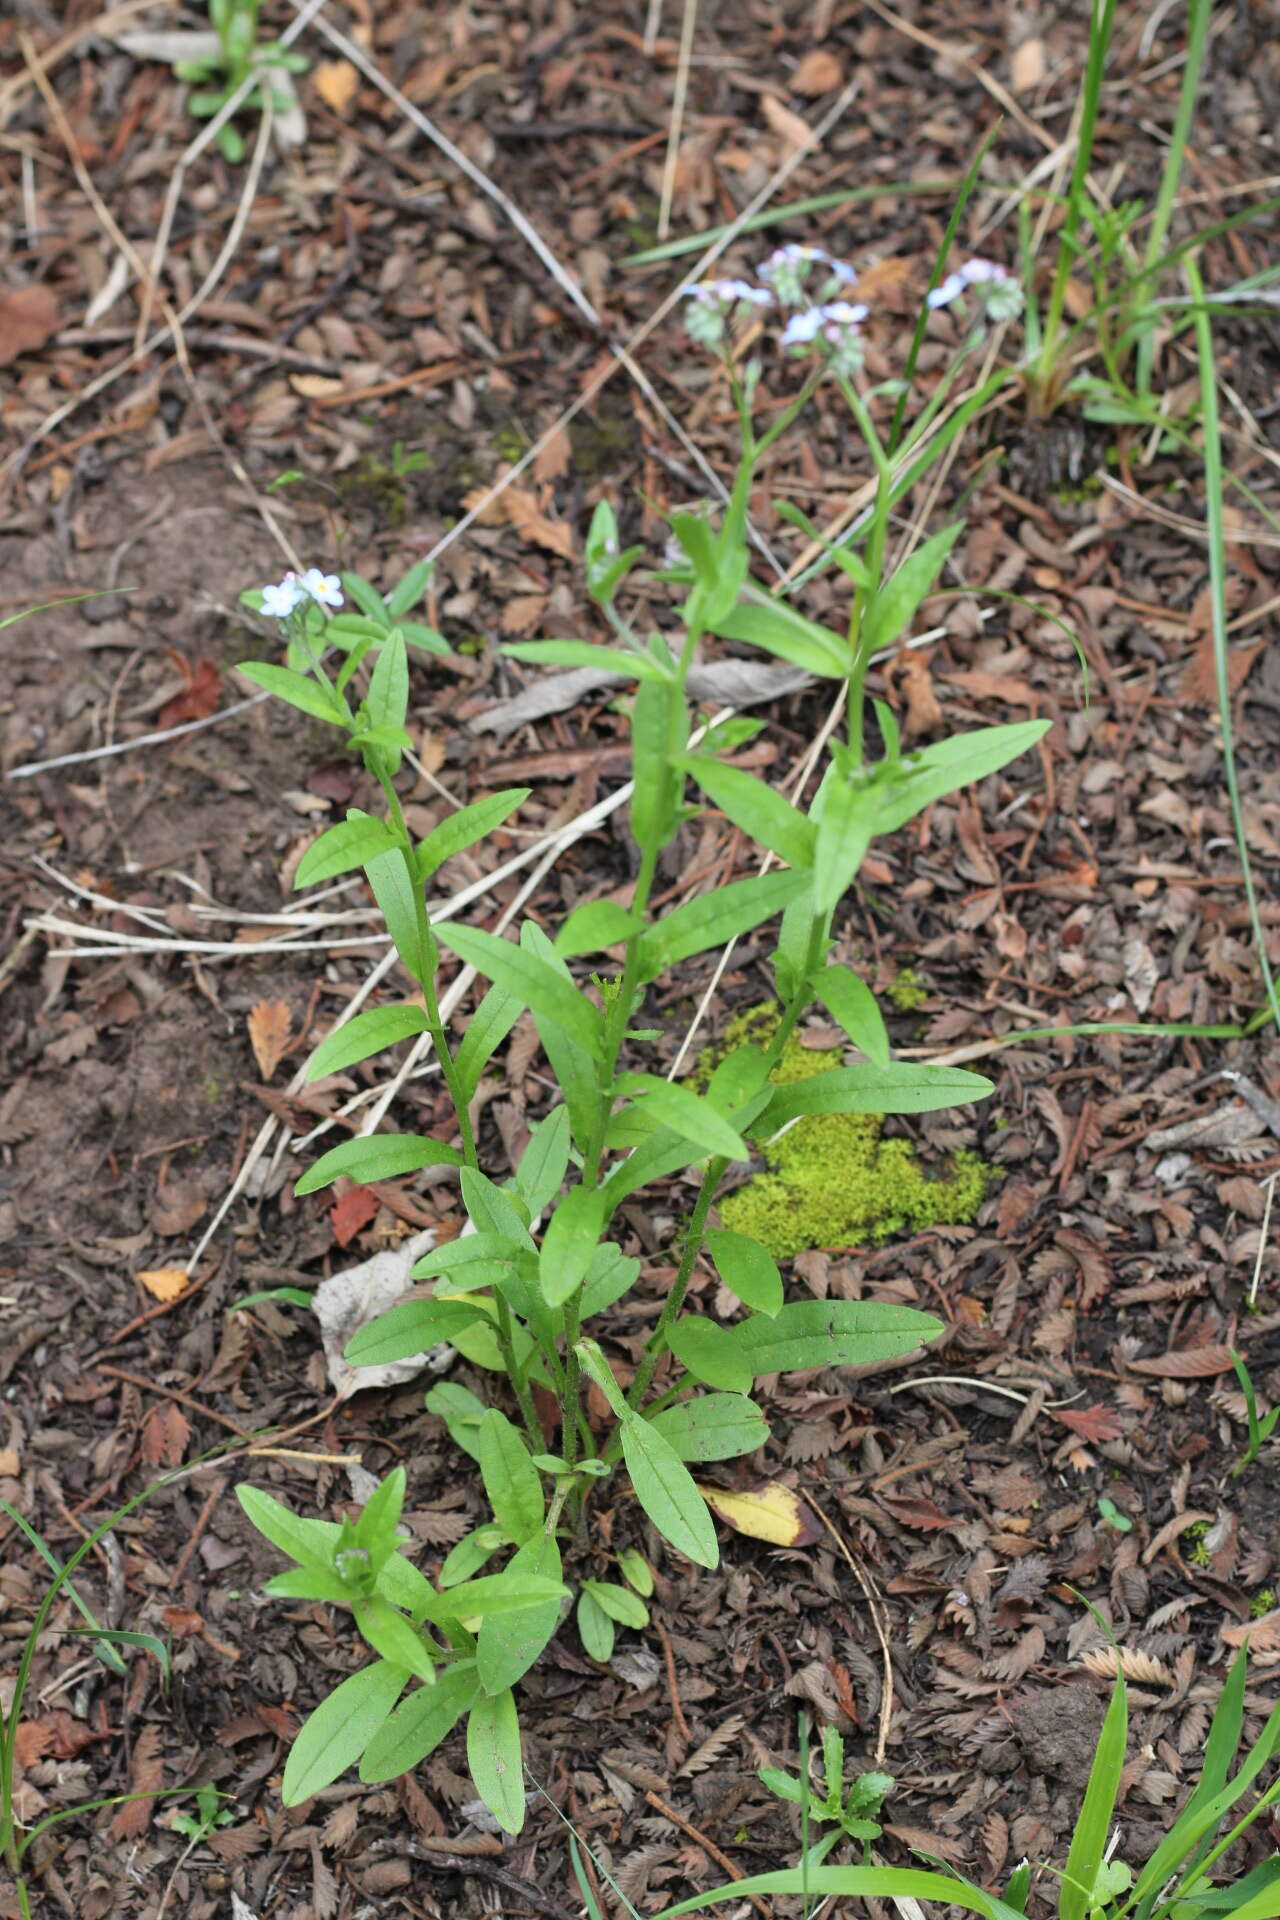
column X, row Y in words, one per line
column 832, row 1180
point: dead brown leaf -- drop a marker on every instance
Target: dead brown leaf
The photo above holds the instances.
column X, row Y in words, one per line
column 818, row 72
column 1200, row 681
column 177, row 1206
column 145, row 1775
column 1028, row 66
column 790, row 128
column 269, row 1032
column 1193, row 1363
column 28, row 315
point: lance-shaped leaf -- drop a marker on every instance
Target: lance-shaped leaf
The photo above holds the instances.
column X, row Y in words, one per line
column 366, row 1034
column 419, row 1724
column 766, row 816
column 337, row 1733
column 535, row 984
column 466, row 826
column 406, row 1331
column 351, row 844
column 713, row 919
column 685, row 1112
column 379, row 1156
column 865, row 1088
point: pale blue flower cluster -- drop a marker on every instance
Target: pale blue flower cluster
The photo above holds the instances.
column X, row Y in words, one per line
column 998, row 292
column 810, row 286
column 296, row 589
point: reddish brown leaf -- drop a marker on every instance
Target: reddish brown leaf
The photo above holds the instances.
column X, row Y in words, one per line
column 28, row 315
column 1092, row 1423
column 269, row 1028
column 198, row 699
column 165, row 1436
column 182, row 1623
column 31, row 1742
column 1200, row 681
column 915, row 1511
column 134, row 1817
column 350, row 1212
column 1194, row 1363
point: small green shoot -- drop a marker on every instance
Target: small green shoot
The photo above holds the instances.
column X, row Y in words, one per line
column 1261, row 1427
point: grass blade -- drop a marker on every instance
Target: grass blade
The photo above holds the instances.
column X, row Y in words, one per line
column 1088, row 1842
column 1213, row 487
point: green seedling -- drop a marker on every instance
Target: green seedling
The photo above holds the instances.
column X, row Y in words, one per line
column 852, row 1811
column 1260, row 1428
column 1110, row 1515
column 219, row 76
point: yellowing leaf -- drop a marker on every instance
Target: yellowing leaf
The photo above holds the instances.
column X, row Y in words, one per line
column 766, row 1512
column 269, row 1034
column 166, row 1283
column 336, row 82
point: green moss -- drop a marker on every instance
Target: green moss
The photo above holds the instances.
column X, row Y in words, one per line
column 832, row 1180
column 908, row 991
column 1262, row 1602
column 1197, row 1547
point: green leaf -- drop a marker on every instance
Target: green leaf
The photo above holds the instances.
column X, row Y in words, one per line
column 508, row 1644
column 466, row 826
column 685, row 1112
column 595, row 1628
column 581, row 653
column 611, row 1274
column 353, row 842
column 746, row 1268
column 569, row 1243
column 396, row 892
column 461, row 1410
column 367, row 1033
column 309, row 1583
column 636, row 1569
column 492, row 1210
column 511, row 1481
column 1219, row 1753
column 404, row 1332
column 659, row 730
column 1089, row 1841
column 713, row 1426
column 490, row 1024
column 391, row 1636
column 494, row 1593
column 545, row 1160
column 710, row 1353
column 853, row 1883
column 865, row 1088
column 425, row 637
column 850, row 1001
column 665, row 1489
column 946, row 766
column 893, row 607
column 378, row 1156
column 713, row 920
column 828, row 1333
column 495, row 1760
column 309, row 1542
column 299, row 689
column 387, row 701
column 367, row 598
column 534, row 984
column 473, row 1260
column 409, row 589
column 573, row 1065
column 843, row 809
column 766, row 816
column 595, row 925
column 470, row 1553
column 291, row 1296
column 337, row 1733
column 778, row 629
column 419, row 1724
column 380, row 1516
column 628, row 1609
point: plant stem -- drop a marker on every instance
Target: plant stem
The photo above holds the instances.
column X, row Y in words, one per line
column 1200, row 13
column 657, row 1342
column 1100, row 24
